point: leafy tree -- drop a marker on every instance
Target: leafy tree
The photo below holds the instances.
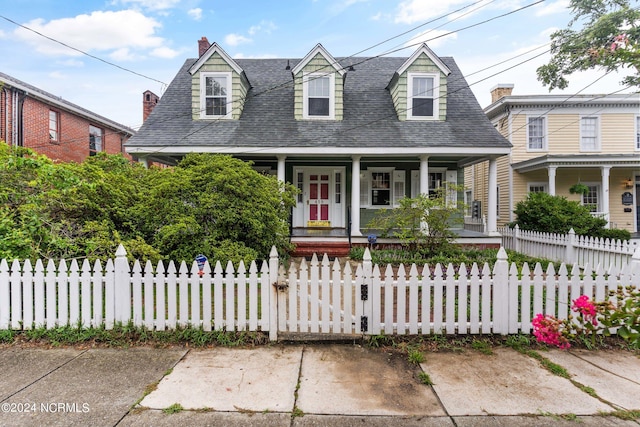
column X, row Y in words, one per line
column 422, row 223
column 602, row 33
column 555, row 214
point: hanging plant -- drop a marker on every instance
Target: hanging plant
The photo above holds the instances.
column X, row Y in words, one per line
column 579, row 188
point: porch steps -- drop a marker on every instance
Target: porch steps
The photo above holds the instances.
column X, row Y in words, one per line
column 332, row 249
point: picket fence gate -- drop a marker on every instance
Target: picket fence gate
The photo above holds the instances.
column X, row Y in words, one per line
column 313, row 297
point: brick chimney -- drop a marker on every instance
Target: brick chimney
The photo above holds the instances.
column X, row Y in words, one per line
column 500, row 90
column 203, row 45
column 149, row 101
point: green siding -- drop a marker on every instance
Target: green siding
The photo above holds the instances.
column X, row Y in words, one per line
column 239, row 86
column 318, row 63
column 399, row 90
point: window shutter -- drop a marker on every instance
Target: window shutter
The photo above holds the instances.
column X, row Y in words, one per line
column 398, row 186
column 415, row 184
column 452, row 180
column 364, row 188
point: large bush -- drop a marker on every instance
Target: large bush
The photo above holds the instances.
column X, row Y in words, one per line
column 215, row 205
column 555, row 214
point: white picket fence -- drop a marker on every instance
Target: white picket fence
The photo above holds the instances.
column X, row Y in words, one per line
column 569, row 248
column 315, row 297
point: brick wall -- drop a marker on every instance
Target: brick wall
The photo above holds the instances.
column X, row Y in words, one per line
column 72, row 143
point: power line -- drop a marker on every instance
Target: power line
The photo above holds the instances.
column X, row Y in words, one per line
column 81, row 51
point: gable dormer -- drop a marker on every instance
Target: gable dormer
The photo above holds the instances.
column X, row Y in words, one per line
column 219, row 86
column 319, row 82
column 419, row 87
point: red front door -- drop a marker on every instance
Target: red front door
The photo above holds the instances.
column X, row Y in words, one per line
column 318, row 197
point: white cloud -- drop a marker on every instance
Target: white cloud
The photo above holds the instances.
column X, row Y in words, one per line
column 57, row 75
column 99, row 31
column 426, row 36
column 411, row 11
column 263, row 26
column 76, row 63
column 164, row 52
column 376, row 17
column 560, row 6
column 345, row 4
column 149, row 4
column 236, row 39
column 2, row 34
column 122, row 54
column 261, row 56
column 196, row 13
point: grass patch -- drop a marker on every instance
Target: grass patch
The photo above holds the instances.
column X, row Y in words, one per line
column 416, row 357
column 129, row 335
column 482, row 346
column 561, row 417
column 173, row 409
column 425, row 378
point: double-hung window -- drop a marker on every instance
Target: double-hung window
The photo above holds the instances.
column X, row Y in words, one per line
column 422, row 102
column 591, row 199
column 536, row 134
column 589, row 140
column 95, row 140
column 54, row 126
column 215, row 98
column 318, row 93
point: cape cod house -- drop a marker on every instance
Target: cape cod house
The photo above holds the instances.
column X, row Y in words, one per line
column 355, row 135
column 560, row 141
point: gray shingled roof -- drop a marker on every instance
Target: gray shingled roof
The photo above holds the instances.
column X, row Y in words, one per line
column 63, row 104
column 268, row 120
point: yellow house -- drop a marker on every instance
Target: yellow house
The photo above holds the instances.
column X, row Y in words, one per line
column 559, row 141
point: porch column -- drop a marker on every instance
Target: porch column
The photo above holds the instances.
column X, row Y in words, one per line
column 605, row 193
column 281, row 175
column 424, row 175
column 355, row 196
column 492, row 199
column 552, row 180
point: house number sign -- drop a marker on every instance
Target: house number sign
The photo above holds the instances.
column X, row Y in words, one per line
column 627, row 198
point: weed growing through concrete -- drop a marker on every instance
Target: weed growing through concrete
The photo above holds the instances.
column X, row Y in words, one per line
column 297, row 412
column 173, row 409
column 425, row 378
column 416, row 357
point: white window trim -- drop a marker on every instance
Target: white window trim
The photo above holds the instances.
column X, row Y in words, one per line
column 436, row 96
column 305, row 95
column 598, row 186
column 543, row 184
column 203, row 98
column 598, row 146
column 545, row 142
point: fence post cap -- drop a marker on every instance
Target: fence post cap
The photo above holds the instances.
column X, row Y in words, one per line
column 274, row 252
column 516, row 227
column 121, row 251
column 502, row 254
column 367, row 255
column 571, row 231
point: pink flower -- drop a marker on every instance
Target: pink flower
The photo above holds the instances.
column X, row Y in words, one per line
column 586, row 308
column 546, row 329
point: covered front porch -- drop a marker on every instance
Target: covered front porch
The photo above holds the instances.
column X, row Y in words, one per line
column 339, row 195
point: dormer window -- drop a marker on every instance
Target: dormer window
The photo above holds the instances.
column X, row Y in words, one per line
column 215, row 97
column 318, row 91
column 422, row 102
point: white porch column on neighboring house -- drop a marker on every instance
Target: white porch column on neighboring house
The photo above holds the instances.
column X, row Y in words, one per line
column 281, row 174
column 605, row 193
column 492, row 199
column 424, row 174
column 355, row 196
column 552, row 180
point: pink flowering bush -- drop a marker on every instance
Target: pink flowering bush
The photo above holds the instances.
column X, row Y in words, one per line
column 549, row 330
column 553, row 331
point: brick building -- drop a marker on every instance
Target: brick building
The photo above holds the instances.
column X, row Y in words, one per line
column 61, row 130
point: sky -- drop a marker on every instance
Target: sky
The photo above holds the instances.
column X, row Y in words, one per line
column 117, row 49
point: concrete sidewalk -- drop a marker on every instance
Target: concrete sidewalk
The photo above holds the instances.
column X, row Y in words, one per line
column 312, row 385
